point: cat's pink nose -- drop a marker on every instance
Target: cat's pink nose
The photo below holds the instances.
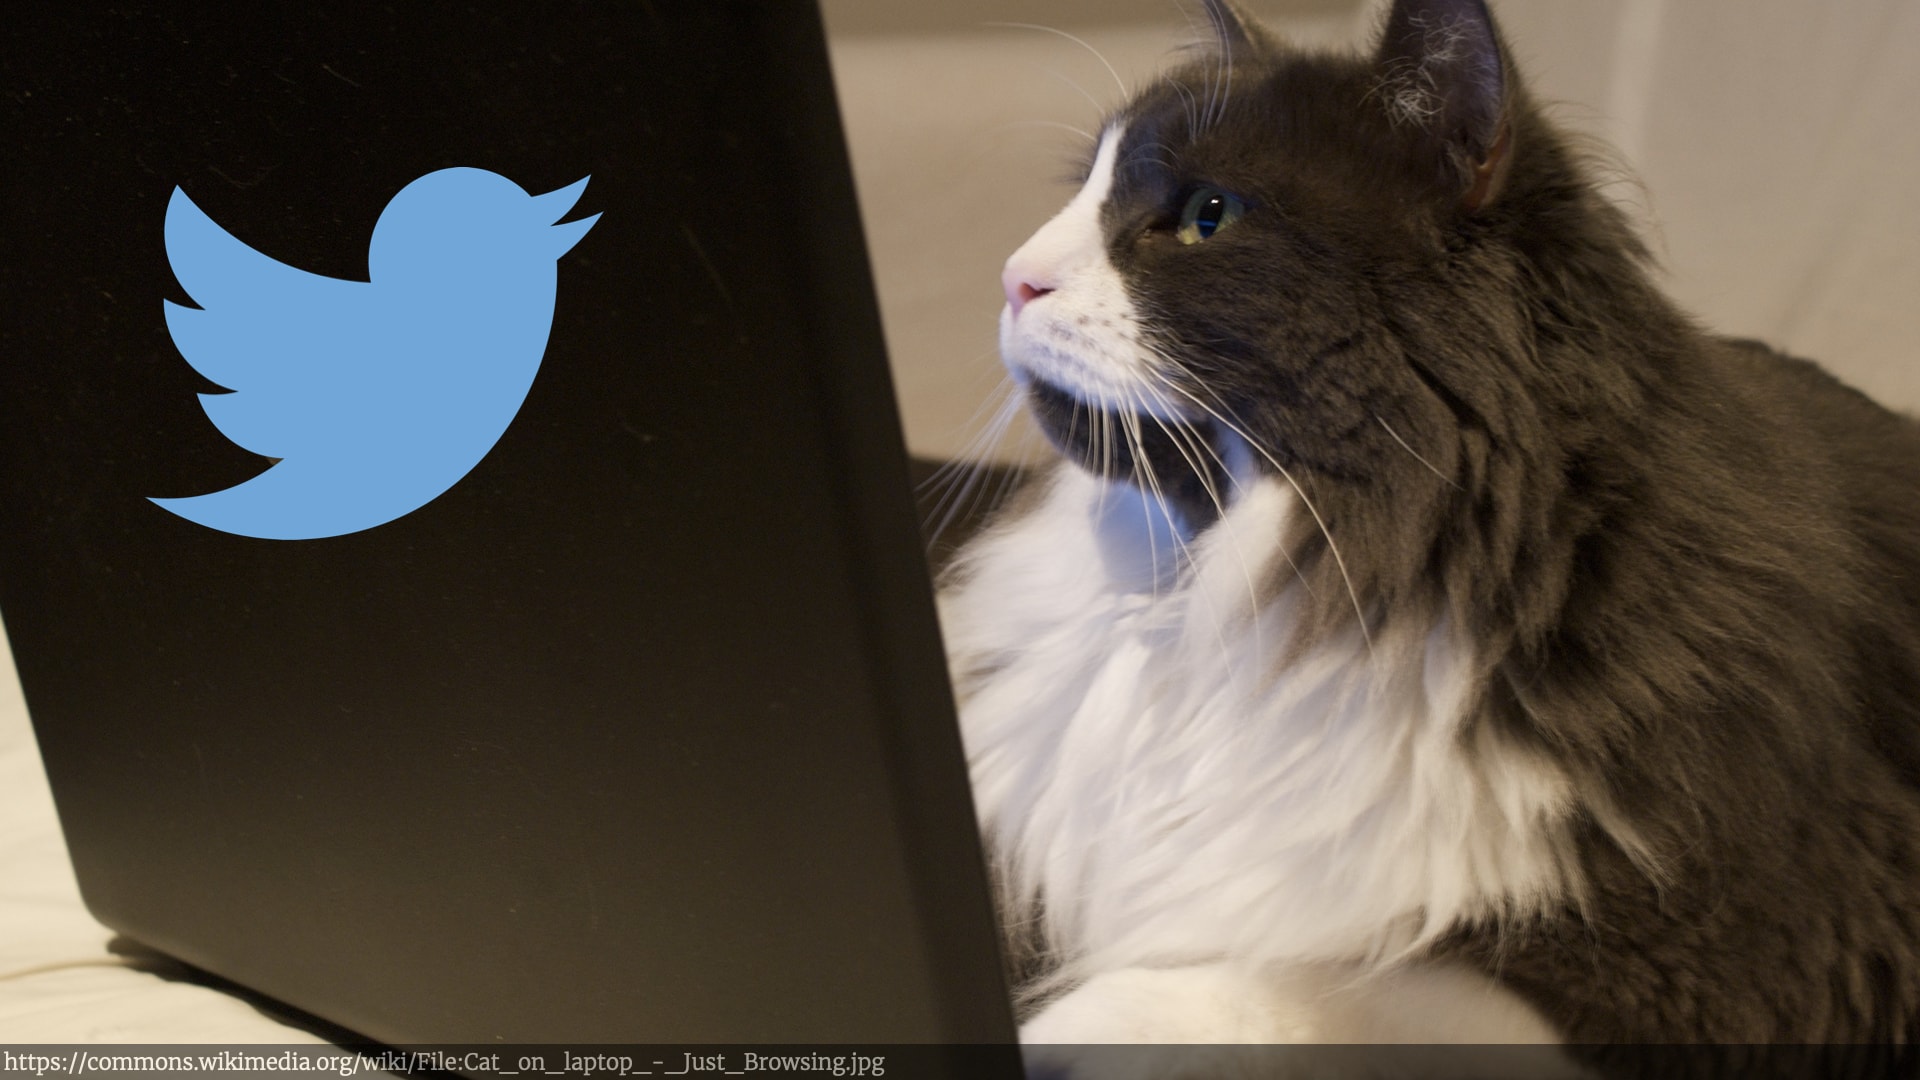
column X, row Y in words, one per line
column 1020, row 291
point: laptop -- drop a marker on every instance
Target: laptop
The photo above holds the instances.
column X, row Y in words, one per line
column 637, row 731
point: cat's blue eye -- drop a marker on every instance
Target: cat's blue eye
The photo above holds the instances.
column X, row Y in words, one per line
column 1208, row 211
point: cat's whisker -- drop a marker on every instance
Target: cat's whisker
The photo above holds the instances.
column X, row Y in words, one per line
column 1219, row 76
column 1167, row 382
column 1137, row 408
column 1099, row 446
column 960, row 493
column 1191, row 446
column 1206, row 111
column 1158, row 152
column 1062, row 77
column 1117, row 81
column 1148, row 481
column 961, row 477
column 1018, row 469
column 1167, row 156
column 950, row 481
column 1178, row 435
column 1109, row 416
column 988, row 421
column 1333, row 546
column 1148, row 484
column 1099, row 453
column 1218, row 108
column 1106, row 453
column 1239, row 553
column 1199, row 444
column 1416, row 455
column 1058, row 124
column 1189, row 103
column 954, row 480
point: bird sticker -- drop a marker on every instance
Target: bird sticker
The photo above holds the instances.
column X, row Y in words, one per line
column 374, row 396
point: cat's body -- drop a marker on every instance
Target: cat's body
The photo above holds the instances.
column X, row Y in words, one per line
column 1427, row 611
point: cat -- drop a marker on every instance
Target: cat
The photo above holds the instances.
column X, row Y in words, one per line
column 1428, row 633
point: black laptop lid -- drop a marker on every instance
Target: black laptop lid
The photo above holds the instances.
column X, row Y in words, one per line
column 639, row 732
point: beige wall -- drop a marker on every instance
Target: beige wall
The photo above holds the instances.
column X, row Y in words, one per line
column 1770, row 138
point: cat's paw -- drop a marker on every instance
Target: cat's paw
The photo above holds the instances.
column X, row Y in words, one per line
column 1227, row 1022
column 1212, row 1003
column 1195, row 1014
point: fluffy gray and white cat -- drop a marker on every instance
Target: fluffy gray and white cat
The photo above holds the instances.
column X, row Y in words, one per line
column 1430, row 633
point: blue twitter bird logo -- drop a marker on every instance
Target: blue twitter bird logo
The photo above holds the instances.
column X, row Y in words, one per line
column 375, row 396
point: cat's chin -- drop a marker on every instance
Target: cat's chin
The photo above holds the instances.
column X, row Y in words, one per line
column 1179, row 459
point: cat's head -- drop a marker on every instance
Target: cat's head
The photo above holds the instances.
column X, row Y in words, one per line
column 1301, row 261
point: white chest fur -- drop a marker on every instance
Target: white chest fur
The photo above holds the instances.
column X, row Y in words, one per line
column 1144, row 763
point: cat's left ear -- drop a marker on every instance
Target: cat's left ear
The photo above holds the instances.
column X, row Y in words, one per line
column 1443, row 67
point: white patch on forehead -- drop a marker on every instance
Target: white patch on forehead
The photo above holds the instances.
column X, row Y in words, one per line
column 1080, row 330
column 1100, row 175
column 1075, row 232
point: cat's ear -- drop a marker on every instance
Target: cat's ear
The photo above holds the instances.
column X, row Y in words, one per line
column 1236, row 30
column 1444, row 69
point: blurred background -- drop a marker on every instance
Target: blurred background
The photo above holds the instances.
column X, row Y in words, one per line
column 1771, row 150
